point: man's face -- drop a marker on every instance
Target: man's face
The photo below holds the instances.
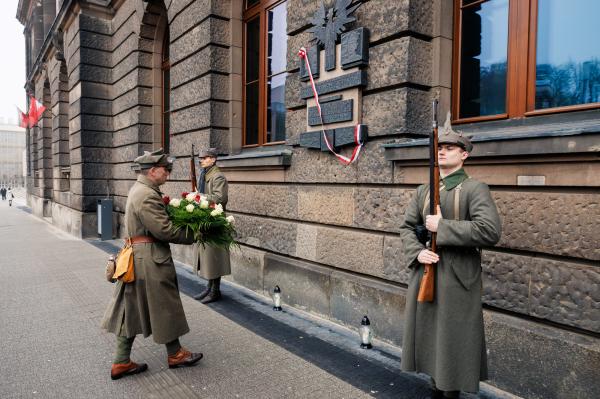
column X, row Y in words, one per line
column 451, row 156
column 159, row 174
column 207, row 162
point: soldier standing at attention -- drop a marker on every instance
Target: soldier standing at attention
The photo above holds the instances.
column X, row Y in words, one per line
column 213, row 262
column 150, row 305
column 445, row 338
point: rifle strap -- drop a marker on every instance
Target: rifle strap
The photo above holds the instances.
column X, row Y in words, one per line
column 456, row 200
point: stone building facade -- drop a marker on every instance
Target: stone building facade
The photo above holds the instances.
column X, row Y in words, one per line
column 120, row 77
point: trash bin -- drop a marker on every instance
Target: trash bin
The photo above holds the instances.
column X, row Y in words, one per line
column 105, row 209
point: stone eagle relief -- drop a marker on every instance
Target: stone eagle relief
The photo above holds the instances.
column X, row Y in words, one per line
column 336, row 58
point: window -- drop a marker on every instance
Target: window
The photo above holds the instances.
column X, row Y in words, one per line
column 264, row 75
column 518, row 58
column 166, row 91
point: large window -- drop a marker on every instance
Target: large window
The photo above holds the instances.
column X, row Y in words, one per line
column 264, row 76
column 517, row 58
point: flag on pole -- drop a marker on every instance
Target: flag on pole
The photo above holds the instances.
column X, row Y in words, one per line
column 23, row 118
column 36, row 110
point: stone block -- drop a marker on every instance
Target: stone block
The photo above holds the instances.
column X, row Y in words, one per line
column 208, row 87
column 95, row 57
column 130, row 62
column 397, row 111
column 131, row 45
column 394, row 263
column 306, row 242
column 92, row 73
column 404, row 60
column 380, row 208
column 299, row 13
column 92, row 24
column 292, row 92
column 562, row 292
column 200, row 116
column 269, row 200
column 272, row 235
column 181, row 144
column 247, row 267
column 570, row 229
column 541, row 362
column 351, row 250
column 303, row 285
column 326, row 204
column 387, row 18
column 195, row 12
column 94, row 40
column 353, row 297
column 211, row 31
column 371, row 165
column 210, row 58
column 295, row 122
column 302, row 39
column 133, row 116
column 176, row 7
column 311, row 166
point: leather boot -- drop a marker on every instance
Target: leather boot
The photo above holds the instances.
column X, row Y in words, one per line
column 119, row 370
column 183, row 358
column 204, row 292
column 215, row 291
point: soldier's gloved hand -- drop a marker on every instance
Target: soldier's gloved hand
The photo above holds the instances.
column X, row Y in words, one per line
column 426, row 256
column 432, row 221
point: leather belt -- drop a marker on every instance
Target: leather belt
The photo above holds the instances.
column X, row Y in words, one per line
column 141, row 240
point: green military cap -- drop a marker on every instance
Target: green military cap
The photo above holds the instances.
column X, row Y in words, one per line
column 209, row 152
column 449, row 136
column 152, row 159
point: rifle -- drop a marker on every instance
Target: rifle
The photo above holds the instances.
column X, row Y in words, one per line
column 193, row 170
column 426, row 288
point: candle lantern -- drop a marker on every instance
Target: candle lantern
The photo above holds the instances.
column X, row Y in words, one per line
column 365, row 333
column 277, row 298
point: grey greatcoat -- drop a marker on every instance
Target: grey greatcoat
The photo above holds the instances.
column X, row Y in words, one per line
column 214, row 262
column 151, row 304
column 445, row 339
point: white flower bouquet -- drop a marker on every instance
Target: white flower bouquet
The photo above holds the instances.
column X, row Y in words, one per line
column 205, row 219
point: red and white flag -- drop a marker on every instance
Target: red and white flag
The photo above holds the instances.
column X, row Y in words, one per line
column 23, row 118
column 36, row 110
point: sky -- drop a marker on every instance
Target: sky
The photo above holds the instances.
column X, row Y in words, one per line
column 12, row 69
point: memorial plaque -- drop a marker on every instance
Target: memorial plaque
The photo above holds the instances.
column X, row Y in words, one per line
column 355, row 48
column 336, row 111
column 314, row 60
column 354, row 79
column 310, row 140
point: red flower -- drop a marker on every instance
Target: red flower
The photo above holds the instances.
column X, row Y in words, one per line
column 184, row 194
column 212, row 205
column 166, row 199
column 197, row 198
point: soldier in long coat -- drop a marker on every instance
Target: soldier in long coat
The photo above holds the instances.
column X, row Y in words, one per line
column 445, row 338
column 150, row 305
column 213, row 262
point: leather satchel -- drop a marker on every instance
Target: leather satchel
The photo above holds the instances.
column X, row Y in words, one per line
column 124, row 270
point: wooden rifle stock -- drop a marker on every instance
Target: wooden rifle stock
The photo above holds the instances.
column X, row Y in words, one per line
column 426, row 289
column 193, row 170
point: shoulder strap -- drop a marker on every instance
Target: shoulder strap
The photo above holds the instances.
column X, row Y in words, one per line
column 426, row 202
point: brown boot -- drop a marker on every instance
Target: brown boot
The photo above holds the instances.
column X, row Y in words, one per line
column 215, row 292
column 119, row 370
column 183, row 358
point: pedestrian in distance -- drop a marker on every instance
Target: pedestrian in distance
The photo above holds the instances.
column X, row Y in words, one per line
column 10, row 196
column 445, row 338
column 213, row 262
column 3, row 193
column 150, row 305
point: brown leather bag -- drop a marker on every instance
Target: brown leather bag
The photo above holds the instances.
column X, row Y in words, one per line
column 124, row 270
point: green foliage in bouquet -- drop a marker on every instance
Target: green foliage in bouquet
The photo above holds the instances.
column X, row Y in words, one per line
column 206, row 220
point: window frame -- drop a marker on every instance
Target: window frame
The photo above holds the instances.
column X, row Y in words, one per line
column 258, row 10
column 521, row 65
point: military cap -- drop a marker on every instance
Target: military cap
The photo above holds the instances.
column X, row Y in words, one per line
column 209, row 152
column 152, row 159
column 449, row 136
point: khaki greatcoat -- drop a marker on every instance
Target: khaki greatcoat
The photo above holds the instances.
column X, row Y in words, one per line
column 214, row 262
column 445, row 339
column 151, row 304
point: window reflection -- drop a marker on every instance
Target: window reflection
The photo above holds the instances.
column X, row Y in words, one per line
column 568, row 51
column 484, row 47
column 276, row 71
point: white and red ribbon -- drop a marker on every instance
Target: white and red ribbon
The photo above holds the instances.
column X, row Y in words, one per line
column 358, row 141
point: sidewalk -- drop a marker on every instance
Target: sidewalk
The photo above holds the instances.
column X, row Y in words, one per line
column 53, row 296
